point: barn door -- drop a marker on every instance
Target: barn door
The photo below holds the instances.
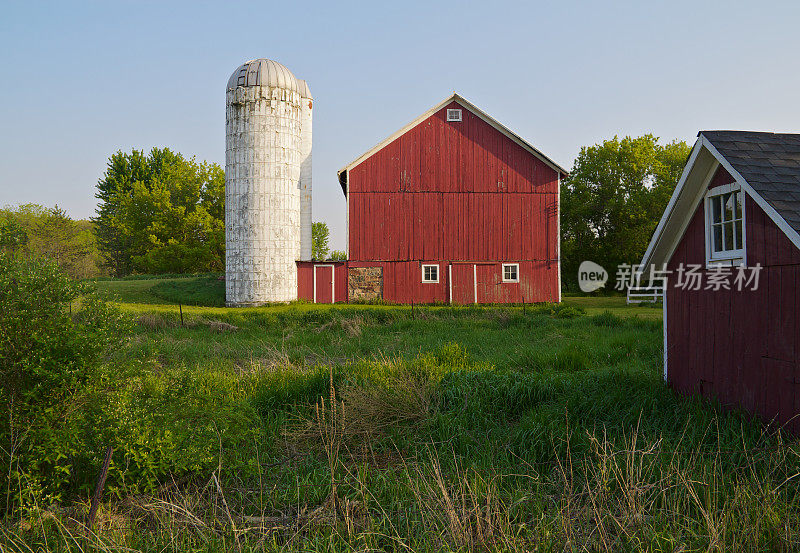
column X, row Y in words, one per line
column 323, row 284
column 462, row 283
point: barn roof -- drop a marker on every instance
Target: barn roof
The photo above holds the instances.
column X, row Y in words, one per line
column 455, row 97
column 766, row 165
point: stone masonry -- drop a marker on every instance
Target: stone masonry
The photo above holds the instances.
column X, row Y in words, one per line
column 365, row 283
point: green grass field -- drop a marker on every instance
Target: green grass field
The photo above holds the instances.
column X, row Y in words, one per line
column 209, row 291
column 382, row 428
column 204, row 290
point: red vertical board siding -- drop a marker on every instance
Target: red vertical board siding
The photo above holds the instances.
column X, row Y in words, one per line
column 341, row 283
column 463, row 283
column 739, row 346
column 305, row 279
column 455, row 191
column 323, row 283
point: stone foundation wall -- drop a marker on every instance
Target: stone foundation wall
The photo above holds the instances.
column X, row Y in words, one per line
column 365, row 283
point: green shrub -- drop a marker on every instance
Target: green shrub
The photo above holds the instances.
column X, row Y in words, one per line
column 45, row 349
column 54, row 333
column 567, row 312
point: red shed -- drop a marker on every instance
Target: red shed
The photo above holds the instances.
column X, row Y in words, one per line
column 735, row 212
column 452, row 208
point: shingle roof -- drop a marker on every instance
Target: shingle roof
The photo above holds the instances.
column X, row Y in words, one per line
column 769, row 162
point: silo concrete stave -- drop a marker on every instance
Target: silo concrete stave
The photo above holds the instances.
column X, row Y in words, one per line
column 306, row 107
column 263, row 158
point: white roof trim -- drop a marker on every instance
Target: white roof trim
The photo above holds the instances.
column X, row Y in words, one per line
column 475, row 110
column 687, row 169
column 762, row 203
column 704, row 143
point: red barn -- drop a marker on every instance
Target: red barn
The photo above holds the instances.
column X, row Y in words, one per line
column 735, row 212
column 452, row 208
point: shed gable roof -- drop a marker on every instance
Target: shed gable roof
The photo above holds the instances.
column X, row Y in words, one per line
column 342, row 173
column 769, row 162
column 766, row 165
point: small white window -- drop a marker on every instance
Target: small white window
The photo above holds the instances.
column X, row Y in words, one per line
column 725, row 225
column 454, row 115
column 510, row 272
column 430, row 273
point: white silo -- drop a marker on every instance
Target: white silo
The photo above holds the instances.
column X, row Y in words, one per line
column 306, row 106
column 262, row 183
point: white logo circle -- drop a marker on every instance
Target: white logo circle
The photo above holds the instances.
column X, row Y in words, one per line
column 591, row 276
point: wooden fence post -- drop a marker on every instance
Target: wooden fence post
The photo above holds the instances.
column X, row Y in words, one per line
column 98, row 490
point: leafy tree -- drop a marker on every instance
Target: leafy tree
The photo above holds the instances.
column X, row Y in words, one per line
column 338, row 255
column 60, row 239
column 161, row 212
column 319, row 241
column 38, row 231
column 613, row 199
column 13, row 237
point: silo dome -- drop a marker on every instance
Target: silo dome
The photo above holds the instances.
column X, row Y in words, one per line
column 305, row 92
column 263, row 72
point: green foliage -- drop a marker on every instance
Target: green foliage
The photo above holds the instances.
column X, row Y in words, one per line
column 12, row 236
column 37, row 231
column 161, row 212
column 166, row 425
column 613, row 200
column 54, row 334
column 338, row 255
column 319, row 241
column 45, row 349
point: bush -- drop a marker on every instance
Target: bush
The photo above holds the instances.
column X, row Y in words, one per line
column 54, row 333
column 45, row 350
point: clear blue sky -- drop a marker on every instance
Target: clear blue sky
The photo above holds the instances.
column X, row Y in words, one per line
column 82, row 80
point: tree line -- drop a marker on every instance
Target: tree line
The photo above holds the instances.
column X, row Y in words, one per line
column 36, row 231
column 161, row 212
column 613, row 199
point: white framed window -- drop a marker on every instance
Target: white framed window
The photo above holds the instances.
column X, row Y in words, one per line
column 510, row 272
column 430, row 273
column 454, row 115
column 724, row 206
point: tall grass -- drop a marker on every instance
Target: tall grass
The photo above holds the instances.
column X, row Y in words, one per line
column 375, row 428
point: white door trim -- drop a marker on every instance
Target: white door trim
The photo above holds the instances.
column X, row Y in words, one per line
column 450, row 278
column 333, row 281
column 475, row 280
column 664, row 318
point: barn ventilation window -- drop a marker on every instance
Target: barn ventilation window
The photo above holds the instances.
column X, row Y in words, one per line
column 725, row 225
column 510, row 272
column 430, row 273
column 454, row 115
